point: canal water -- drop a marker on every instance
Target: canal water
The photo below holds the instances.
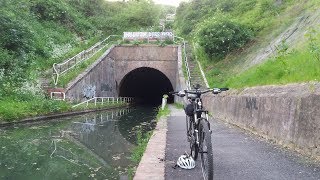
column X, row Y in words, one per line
column 90, row 146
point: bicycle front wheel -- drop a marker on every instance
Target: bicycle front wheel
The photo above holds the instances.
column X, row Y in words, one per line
column 205, row 150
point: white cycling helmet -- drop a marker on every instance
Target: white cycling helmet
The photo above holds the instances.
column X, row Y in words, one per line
column 186, row 162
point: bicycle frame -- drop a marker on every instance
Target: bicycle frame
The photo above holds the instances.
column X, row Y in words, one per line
column 197, row 114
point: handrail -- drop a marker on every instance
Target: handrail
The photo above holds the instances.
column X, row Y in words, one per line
column 63, row 94
column 185, row 61
column 201, row 70
column 108, row 100
column 61, row 68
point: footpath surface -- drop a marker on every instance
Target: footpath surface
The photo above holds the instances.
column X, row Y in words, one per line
column 237, row 155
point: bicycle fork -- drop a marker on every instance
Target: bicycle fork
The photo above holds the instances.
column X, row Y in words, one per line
column 197, row 124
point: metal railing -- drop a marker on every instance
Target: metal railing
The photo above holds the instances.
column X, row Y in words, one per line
column 185, row 61
column 62, row 95
column 61, row 68
column 102, row 100
column 200, row 67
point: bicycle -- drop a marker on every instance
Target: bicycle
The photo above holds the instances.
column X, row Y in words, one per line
column 198, row 127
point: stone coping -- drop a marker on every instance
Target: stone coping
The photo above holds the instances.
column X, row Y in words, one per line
column 54, row 116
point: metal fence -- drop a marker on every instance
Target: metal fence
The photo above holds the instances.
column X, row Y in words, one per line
column 185, row 61
column 102, row 100
column 61, row 68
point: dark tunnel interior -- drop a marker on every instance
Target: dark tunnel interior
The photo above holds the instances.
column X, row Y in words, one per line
column 146, row 85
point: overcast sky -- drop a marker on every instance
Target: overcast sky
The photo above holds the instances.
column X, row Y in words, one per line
column 169, row 2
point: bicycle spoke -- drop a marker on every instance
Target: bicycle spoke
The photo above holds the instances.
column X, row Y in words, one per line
column 206, row 150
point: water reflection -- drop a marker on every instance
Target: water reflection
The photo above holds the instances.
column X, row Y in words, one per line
column 95, row 145
column 139, row 119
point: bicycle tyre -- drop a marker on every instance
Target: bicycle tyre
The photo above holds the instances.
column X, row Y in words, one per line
column 205, row 150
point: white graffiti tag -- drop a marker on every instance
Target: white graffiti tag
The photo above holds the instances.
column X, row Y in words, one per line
column 89, row 91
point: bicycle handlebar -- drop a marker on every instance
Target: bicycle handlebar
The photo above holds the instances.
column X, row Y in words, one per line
column 196, row 91
column 214, row 91
column 177, row 93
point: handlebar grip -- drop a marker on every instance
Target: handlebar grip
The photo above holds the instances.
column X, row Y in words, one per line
column 173, row 92
column 224, row 89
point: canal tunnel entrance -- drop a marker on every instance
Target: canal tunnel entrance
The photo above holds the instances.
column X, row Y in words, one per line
column 146, row 85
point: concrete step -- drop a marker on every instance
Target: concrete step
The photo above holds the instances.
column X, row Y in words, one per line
column 196, row 77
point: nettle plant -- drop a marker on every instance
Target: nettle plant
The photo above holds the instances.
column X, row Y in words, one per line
column 219, row 36
column 314, row 43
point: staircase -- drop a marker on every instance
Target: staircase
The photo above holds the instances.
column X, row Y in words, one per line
column 61, row 68
column 195, row 72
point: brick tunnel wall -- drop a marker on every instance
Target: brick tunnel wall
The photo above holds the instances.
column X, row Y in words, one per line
column 105, row 75
column 288, row 115
column 128, row 58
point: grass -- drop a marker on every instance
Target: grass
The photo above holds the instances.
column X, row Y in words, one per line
column 178, row 105
column 15, row 110
column 12, row 109
column 143, row 140
column 47, row 64
column 163, row 112
column 292, row 68
column 73, row 73
column 233, row 69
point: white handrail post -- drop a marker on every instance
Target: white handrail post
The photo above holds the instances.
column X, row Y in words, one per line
column 102, row 101
column 95, row 101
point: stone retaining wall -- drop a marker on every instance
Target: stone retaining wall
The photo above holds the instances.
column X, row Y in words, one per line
column 288, row 115
column 98, row 78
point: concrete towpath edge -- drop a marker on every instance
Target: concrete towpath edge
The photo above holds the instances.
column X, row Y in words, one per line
column 56, row 115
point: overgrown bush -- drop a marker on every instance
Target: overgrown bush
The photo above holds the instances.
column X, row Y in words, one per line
column 37, row 33
column 34, row 34
column 219, row 36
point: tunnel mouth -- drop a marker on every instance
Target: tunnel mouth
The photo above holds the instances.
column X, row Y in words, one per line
column 146, row 85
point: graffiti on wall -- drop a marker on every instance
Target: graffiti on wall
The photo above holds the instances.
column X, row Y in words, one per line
column 89, row 91
column 150, row 36
column 251, row 103
column 106, row 87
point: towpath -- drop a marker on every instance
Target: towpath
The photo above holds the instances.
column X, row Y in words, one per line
column 237, row 155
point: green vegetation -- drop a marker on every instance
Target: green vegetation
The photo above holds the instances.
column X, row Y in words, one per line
column 178, row 105
column 16, row 108
column 287, row 67
column 163, row 112
column 220, row 36
column 226, row 34
column 137, row 153
column 37, row 33
column 142, row 139
column 73, row 73
column 142, row 142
